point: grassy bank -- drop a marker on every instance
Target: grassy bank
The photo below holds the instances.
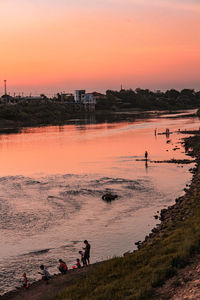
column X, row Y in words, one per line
column 169, row 247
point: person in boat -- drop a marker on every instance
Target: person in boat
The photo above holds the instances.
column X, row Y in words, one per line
column 87, row 252
column 62, row 267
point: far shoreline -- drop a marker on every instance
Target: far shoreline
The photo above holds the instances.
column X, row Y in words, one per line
column 8, row 126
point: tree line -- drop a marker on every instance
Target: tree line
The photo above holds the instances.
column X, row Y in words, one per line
column 147, row 99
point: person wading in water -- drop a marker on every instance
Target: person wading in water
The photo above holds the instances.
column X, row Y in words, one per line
column 146, row 155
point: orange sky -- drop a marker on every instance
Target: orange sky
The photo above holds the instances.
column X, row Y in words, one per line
column 99, row 44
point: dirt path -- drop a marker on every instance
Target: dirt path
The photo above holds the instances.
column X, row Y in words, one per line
column 185, row 285
column 41, row 291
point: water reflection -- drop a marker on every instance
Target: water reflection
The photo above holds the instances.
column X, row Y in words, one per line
column 79, row 149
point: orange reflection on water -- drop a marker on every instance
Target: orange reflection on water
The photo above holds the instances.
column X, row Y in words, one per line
column 81, row 149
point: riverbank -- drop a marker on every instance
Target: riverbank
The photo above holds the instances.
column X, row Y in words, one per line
column 165, row 250
column 13, row 118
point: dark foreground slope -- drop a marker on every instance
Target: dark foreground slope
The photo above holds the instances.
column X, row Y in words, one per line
column 168, row 248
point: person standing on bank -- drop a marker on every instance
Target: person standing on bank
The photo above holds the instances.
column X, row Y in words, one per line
column 87, row 252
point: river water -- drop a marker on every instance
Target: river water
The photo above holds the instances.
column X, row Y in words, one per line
column 52, row 180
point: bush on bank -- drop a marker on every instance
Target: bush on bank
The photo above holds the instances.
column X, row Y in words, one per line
column 30, row 114
column 135, row 276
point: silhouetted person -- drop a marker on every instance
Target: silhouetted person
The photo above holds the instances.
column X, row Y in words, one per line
column 146, row 155
column 87, row 252
column 167, row 132
column 62, row 266
column 82, row 254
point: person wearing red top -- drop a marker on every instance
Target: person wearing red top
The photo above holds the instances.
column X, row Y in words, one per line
column 26, row 283
column 62, row 266
column 78, row 264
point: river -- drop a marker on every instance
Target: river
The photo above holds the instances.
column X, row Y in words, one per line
column 52, row 180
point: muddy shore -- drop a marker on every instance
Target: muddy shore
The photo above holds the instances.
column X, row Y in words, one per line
column 39, row 290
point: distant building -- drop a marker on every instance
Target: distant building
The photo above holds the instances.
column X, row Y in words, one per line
column 98, row 95
column 6, row 99
column 33, row 98
column 89, row 98
column 66, row 97
column 79, row 95
column 82, row 97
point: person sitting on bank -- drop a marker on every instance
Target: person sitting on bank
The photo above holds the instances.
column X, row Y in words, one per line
column 82, row 254
column 45, row 274
column 62, row 267
column 78, row 264
column 87, row 252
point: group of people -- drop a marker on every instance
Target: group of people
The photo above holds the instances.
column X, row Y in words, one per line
column 84, row 259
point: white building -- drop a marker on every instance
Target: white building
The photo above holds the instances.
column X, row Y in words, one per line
column 89, row 98
column 79, row 95
column 82, row 97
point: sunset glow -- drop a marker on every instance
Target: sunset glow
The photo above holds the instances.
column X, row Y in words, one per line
column 50, row 46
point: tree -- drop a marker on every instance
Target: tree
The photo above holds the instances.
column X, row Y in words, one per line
column 172, row 94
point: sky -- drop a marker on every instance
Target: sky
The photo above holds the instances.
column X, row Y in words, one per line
column 52, row 46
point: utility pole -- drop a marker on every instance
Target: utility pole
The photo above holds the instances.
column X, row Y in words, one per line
column 5, row 87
